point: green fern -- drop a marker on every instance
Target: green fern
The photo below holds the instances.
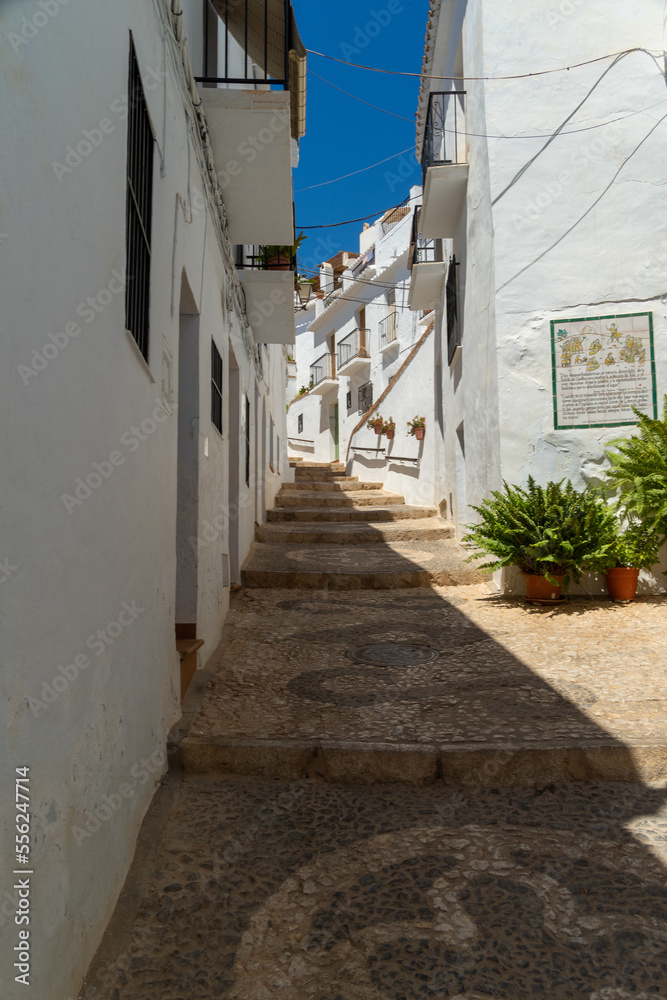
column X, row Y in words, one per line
column 639, row 471
column 551, row 531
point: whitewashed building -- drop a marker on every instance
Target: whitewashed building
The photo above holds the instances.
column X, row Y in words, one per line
column 142, row 400
column 542, row 174
column 366, row 354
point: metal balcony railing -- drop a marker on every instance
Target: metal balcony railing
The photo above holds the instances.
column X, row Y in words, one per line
column 388, row 329
column 249, row 40
column 444, row 136
column 263, row 259
column 321, row 369
column 395, row 216
column 423, row 250
column 353, row 346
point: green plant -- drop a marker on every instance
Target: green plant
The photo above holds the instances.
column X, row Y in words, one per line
column 639, row 471
column 550, row 531
column 388, row 425
column 636, row 546
column 304, row 389
column 415, row 423
column 274, row 250
column 376, row 422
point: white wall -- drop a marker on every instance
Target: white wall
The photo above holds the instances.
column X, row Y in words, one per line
column 553, row 229
column 78, row 570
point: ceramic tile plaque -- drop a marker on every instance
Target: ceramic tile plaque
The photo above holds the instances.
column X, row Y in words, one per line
column 602, row 367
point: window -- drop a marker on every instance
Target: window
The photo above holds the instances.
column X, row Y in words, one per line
column 349, row 400
column 365, row 397
column 300, row 424
column 216, row 387
column 453, row 329
column 138, row 210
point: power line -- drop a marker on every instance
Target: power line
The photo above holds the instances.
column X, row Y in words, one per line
column 361, row 101
column 514, row 76
column 485, row 135
column 353, row 174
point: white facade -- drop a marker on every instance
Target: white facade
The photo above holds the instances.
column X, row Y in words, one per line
column 551, row 198
column 368, row 327
column 125, row 510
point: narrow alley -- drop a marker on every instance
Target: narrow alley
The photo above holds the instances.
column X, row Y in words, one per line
column 396, row 793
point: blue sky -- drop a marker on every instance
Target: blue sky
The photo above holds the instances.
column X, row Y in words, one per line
column 344, row 135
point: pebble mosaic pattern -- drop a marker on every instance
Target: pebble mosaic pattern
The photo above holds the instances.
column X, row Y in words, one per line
column 506, row 673
column 270, row 891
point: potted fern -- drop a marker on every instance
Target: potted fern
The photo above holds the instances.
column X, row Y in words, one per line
column 639, row 471
column 551, row 533
column 635, row 547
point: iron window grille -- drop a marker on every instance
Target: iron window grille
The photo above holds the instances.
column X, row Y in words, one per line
column 138, row 211
column 365, row 397
column 300, row 424
column 216, row 387
column 348, row 401
column 452, row 303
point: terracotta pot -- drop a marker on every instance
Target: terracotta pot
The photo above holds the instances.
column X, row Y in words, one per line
column 390, row 434
column 622, row 583
column 378, row 430
column 419, row 433
column 538, row 587
column 278, row 264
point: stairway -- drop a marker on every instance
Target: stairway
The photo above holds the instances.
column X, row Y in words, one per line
column 328, row 531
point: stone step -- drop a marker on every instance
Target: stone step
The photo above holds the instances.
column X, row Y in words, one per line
column 317, row 476
column 341, row 485
column 362, row 533
column 325, row 466
column 348, row 515
column 361, row 498
column 358, row 567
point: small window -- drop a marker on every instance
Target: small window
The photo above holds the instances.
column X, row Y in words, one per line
column 349, row 400
column 365, row 397
column 216, row 387
column 300, row 424
column 138, row 213
column 452, row 301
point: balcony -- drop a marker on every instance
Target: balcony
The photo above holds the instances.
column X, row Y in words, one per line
column 251, row 44
column 388, row 328
column 269, row 294
column 444, row 165
column 427, row 268
column 323, row 375
column 353, row 354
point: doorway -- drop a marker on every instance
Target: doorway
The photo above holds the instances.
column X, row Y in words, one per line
column 233, row 423
column 187, row 490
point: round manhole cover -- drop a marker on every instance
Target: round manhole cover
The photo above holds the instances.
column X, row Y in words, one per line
column 392, row 654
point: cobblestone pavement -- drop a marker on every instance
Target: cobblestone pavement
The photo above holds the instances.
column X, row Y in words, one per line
column 261, row 890
column 445, row 670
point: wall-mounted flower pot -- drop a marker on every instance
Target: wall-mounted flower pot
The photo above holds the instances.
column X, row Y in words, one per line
column 419, row 433
column 390, row 435
column 540, row 590
column 378, row 430
column 622, row 583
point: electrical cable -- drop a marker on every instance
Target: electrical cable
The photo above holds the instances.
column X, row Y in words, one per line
column 485, row 135
column 354, row 173
column 514, row 76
